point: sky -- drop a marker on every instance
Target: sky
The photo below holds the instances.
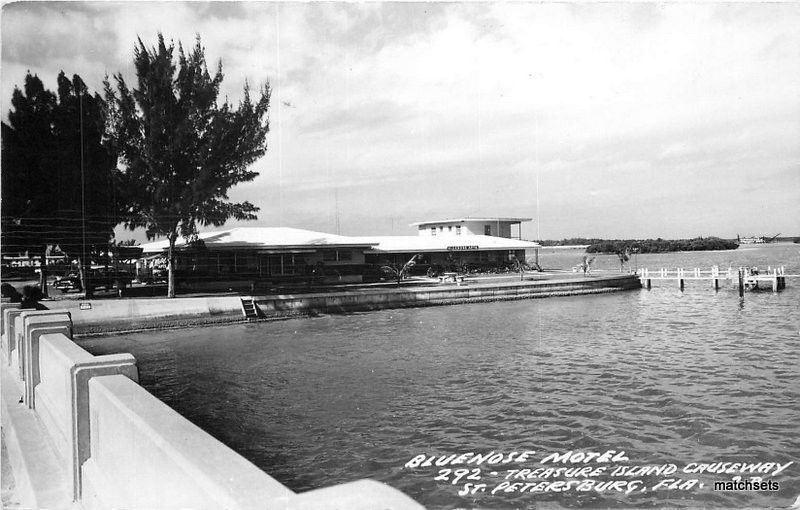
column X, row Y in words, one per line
column 613, row 120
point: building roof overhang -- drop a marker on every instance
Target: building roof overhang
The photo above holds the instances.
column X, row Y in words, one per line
column 468, row 219
column 273, row 240
column 263, row 239
column 420, row 244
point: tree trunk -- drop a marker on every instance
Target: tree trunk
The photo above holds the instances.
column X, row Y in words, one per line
column 83, row 274
column 171, row 267
column 43, row 272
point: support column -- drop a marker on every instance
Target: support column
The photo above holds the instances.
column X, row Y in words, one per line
column 58, row 320
column 80, row 374
column 34, row 327
column 8, row 328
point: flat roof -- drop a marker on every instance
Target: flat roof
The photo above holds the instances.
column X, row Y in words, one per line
column 416, row 244
column 463, row 220
column 285, row 238
column 263, row 238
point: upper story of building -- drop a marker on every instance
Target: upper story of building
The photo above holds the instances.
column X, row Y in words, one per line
column 497, row 227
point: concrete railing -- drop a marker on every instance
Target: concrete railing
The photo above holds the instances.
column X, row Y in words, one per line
column 9, row 336
column 193, row 469
column 120, row 447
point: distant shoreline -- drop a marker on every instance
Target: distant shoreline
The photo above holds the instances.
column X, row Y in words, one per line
column 612, row 246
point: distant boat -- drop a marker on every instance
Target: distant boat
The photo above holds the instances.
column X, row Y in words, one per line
column 756, row 240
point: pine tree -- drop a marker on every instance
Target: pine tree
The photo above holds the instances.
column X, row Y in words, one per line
column 57, row 176
column 181, row 149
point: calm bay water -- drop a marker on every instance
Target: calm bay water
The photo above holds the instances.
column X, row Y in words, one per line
column 668, row 377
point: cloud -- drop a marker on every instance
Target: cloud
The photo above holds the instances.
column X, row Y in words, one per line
column 626, row 104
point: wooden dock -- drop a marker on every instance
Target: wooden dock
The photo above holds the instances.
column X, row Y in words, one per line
column 743, row 277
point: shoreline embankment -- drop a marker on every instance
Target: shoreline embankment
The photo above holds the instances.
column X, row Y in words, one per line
column 101, row 316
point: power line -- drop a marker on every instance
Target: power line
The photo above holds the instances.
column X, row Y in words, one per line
column 83, row 178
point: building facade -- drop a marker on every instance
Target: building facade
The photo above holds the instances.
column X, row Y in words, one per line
column 284, row 255
column 497, row 227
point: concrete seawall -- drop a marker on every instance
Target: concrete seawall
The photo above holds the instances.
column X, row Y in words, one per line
column 99, row 316
column 106, row 315
column 439, row 295
column 86, row 435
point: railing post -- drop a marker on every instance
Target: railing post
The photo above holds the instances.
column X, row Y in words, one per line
column 80, row 374
column 34, row 325
column 29, row 325
column 7, row 328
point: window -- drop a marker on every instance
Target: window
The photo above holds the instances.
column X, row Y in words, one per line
column 458, row 230
column 450, row 228
column 289, row 264
column 433, row 231
column 487, row 230
column 441, row 228
column 336, row 255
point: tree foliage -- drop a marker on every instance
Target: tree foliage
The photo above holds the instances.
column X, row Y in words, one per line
column 661, row 245
column 28, row 144
column 57, row 179
column 180, row 149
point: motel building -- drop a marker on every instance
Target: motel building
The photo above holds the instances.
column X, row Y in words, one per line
column 267, row 255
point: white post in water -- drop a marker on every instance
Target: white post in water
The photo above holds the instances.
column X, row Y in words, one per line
column 775, row 281
column 741, row 282
column 680, row 278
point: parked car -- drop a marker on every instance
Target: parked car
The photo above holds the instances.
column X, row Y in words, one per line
column 109, row 278
column 157, row 275
column 68, row 282
column 99, row 278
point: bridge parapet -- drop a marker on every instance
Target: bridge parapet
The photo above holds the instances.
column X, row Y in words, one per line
column 118, row 446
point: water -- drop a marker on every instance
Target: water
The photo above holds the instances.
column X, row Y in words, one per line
column 668, row 377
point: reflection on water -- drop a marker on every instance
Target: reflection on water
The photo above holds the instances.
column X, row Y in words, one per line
column 669, row 377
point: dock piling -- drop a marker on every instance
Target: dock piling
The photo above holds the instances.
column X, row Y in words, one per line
column 741, row 283
column 775, row 277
